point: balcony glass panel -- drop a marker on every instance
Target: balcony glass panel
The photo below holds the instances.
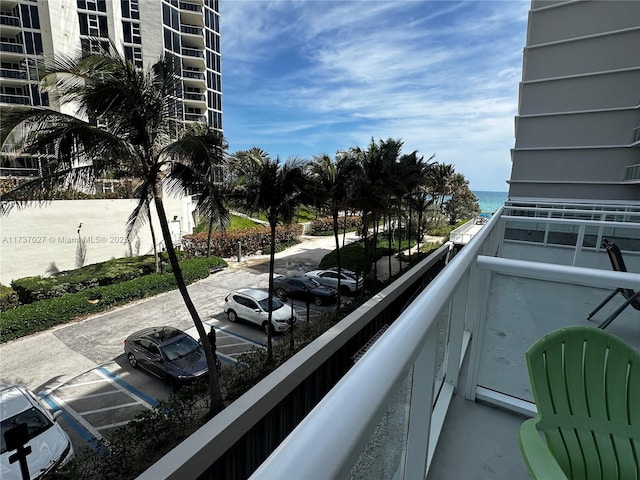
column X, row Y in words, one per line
column 11, row 47
column 382, row 457
column 8, row 19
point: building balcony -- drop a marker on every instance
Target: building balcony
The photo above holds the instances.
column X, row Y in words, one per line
column 9, row 20
column 190, row 7
column 193, row 74
column 193, row 97
column 428, row 377
column 10, row 47
column 15, row 99
column 13, row 76
column 191, row 29
column 195, row 117
column 193, row 52
column 632, row 173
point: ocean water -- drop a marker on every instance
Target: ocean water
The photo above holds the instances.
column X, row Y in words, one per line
column 490, row 201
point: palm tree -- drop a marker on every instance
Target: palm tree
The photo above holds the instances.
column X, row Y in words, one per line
column 332, row 180
column 414, row 173
column 463, row 203
column 136, row 133
column 440, row 178
column 274, row 189
column 210, row 182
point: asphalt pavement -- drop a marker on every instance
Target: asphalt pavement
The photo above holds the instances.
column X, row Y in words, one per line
column 47, row 360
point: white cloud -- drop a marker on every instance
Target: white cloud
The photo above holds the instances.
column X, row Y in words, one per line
column 310, row 77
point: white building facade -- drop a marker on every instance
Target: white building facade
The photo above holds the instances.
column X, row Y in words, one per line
column 143, row 30
column 578, row 124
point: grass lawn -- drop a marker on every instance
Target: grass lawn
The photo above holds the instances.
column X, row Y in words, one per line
column 237, row 223
column 352, row 255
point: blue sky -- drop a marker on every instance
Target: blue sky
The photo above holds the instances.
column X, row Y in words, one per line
column 307, row 77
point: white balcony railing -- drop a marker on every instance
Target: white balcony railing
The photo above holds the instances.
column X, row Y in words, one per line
column 384, row 416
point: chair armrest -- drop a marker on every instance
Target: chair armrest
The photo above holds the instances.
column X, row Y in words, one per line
column 537, row 456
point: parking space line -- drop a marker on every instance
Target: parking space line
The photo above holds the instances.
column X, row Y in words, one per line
column 123, row 386
column 105, row 409
column 79, row 427
column 233, row 344
column 113, row 425
column 233, row 334
column 79, row 384
column 76, row 416
column 94, row 395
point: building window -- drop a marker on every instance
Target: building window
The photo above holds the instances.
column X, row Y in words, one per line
column 131, row 32
column 30, row 18
column 93, row 25
column 134, row 55
column 33, row 43
column 93, row 5
column 91, row 45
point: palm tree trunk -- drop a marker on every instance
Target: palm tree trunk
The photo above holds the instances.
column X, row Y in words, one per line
column 390, row 240
column 156, row 258
column 336, row 237
column 344, row 228
column 214, row 384
column 409, row 230
column 272, row 262
column 209, row 236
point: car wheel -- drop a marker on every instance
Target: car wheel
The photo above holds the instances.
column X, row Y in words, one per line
column 268, row 328
column 132, row 360
column 231, row 315
column 317, row 300
column 280, row 292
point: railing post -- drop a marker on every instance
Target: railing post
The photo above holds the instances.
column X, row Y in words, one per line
column 421, row 406
column 456, row 331
column 579, row 243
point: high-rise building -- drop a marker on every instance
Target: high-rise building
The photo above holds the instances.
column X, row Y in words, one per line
column 143, row 30
column 578, row 123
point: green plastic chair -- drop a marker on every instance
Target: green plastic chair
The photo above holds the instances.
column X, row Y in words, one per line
column 586, row 385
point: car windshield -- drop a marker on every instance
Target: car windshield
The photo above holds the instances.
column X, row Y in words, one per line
column 277, row 304
column 179, row 348
column 313, row 283
column 35, row 420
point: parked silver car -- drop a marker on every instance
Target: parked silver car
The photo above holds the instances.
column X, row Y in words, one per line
column 252, row 304
column 349, row 282
column 50, row 446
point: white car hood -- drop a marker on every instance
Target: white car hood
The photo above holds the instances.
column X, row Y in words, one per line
column 46, row 449
column 284, row 313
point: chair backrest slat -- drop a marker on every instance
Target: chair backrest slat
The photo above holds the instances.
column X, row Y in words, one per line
column 587, row 389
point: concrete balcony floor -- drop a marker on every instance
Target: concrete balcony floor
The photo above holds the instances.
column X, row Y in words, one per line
column 480, row 441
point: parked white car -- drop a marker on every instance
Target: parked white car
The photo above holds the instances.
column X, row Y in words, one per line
column 50, row 446
column 349, row 282
column 252, row 304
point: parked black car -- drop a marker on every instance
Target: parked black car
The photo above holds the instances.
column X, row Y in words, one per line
column 168, row 353
column 305, row 288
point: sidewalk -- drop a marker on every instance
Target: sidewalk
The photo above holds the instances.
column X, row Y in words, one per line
column 308, row 254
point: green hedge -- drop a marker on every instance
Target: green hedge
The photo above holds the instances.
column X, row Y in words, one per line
column 323, row 225
column 44, row 314
column 32, row 289
column 252, row 240
column 8, row 298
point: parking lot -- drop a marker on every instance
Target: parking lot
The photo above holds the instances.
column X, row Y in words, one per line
column 80, row 368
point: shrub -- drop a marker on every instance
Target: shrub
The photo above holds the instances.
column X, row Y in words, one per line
column 32, row 289
column 131, row 448
column 325, row 224
column 41, row 315
column 8, row 298
column 253, row 240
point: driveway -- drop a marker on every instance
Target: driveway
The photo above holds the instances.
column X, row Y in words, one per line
column 80, row 367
